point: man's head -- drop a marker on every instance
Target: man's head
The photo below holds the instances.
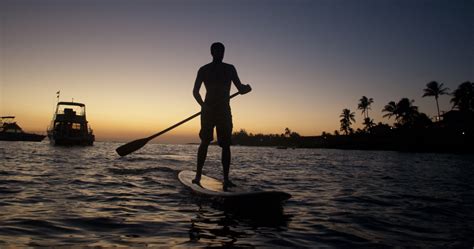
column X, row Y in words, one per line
column 217, row 51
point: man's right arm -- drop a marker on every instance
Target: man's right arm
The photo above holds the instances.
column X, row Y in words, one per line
column 197, row 87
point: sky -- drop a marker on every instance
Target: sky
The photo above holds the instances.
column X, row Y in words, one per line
column 133, row 63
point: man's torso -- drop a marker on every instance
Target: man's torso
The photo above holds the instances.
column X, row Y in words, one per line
column 217, row 78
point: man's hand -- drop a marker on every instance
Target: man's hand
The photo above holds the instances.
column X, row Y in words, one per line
column 245, row 89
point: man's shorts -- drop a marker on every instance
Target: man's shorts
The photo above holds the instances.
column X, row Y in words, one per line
column 221, row 118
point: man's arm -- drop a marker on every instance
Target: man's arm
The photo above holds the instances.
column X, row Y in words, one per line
column 197, row 87
column 243, row 89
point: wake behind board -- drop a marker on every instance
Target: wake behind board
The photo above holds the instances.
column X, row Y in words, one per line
column 211, row 187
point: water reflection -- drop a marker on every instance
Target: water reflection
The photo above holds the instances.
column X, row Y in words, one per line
column 218, row 223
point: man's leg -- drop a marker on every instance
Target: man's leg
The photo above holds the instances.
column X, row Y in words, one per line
column 226, row 167
column 224, row 137
column 206, row 135
column 226, row 162
column 201, row 158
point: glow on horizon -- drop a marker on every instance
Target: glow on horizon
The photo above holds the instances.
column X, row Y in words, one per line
column 133, row 63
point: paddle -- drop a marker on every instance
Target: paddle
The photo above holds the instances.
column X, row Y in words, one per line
column 137, row 144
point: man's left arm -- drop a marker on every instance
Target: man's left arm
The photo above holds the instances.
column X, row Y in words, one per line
column 243, row 89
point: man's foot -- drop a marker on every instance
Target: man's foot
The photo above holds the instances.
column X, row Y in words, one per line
column 197, row 182
column 228, row 184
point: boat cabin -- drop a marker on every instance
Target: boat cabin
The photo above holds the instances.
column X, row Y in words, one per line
column 8, row 125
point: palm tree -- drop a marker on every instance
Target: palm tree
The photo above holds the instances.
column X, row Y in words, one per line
column 463, row 97
column 406, row 111
column 364, row 105
column 346, row 117
column 368, row 123
column 435, row 89
column 390, row 109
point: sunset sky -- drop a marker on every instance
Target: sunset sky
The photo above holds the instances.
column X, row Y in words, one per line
column 133, row 63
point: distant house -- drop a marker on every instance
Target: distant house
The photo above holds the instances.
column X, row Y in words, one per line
column 458, row 120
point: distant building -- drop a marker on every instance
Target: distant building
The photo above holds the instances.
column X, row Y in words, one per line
column 458, row 120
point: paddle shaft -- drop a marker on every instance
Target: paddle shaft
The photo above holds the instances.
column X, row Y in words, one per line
column 182, row 122
column 137, row 144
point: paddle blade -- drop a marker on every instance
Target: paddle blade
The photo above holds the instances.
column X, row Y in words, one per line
column 132, row 146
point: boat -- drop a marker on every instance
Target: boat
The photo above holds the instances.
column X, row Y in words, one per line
column 11, row 131
column 69, row 125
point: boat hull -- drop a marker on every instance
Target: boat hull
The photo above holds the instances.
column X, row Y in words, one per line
column 6, row 136
column 71, row 141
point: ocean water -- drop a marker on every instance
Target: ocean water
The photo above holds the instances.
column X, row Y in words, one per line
column 57, row 196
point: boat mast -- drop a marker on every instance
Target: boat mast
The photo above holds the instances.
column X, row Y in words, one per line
column 58, row 93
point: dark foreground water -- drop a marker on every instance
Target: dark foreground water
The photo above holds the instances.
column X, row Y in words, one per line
column 89, row 196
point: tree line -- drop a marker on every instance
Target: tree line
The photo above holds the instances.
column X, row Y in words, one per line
column 288, row 138
column 450, row 131
column 406, row 114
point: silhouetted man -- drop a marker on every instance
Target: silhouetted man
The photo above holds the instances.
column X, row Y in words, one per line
column 215, row 109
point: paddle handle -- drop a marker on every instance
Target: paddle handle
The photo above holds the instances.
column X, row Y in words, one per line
column 182, row 122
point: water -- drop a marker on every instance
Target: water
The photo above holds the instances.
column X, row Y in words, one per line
column 341, row 199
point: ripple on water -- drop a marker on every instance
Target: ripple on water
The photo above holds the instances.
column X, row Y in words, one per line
column 54, row 196
column 141, row 171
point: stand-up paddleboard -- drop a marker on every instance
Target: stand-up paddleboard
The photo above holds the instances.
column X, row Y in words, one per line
column 211, row 187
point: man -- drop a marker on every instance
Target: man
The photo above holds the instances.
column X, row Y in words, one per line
column 215, row 109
